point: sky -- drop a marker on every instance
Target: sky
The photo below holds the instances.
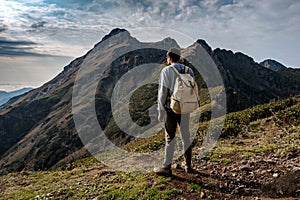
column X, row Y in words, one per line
column 39, row 37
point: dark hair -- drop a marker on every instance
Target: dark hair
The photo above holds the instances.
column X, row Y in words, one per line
column 174, row 54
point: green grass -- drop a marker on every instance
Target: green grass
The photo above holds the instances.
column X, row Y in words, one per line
column 270, row 129
column 150, row 144
column 221, row 160
column 286, row 112
column 134, row 186
column 81, row 183
column 195, row 188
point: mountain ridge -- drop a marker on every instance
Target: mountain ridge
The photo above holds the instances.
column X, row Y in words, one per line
column 44, row 133
column 5, row 96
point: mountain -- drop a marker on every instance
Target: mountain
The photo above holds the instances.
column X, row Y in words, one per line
column 272, row 65
column 38, row 129
column 291, row 73
column 5, row 96
column 246, row 82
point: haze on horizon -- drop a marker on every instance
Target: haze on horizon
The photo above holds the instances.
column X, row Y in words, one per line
column 39, row 37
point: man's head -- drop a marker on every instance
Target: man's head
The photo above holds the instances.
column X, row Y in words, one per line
column 173, row 55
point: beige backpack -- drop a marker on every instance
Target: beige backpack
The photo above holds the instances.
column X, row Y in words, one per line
column 184, row 99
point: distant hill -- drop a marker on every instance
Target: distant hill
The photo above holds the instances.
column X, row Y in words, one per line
column 38, row 131
column 291, row 73
column 272, row 65
column 5, row 96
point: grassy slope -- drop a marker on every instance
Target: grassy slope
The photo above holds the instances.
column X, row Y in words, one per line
column 266, row 131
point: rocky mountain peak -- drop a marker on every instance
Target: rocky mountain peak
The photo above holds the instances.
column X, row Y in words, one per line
column 170, row 42
column 204, row 44
column 114, row 32
column 120, row 34
column 272, row 65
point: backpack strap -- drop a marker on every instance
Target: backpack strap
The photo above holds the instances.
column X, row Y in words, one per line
column 185, row 69
column 178, row 75
column 176, row 71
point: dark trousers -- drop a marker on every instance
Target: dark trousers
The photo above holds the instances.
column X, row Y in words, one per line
column 172, row 120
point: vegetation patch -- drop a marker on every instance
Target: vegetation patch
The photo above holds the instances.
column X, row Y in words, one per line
column 257, row 151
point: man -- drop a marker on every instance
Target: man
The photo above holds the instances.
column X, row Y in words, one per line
column 171, row 119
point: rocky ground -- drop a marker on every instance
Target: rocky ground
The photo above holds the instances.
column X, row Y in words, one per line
column 261, row 163
column 255, row 178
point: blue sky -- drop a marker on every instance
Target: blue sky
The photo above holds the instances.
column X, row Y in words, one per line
column 39, row 37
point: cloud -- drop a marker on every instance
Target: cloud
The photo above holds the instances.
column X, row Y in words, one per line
column 16, row 43
column 15, row 48
column 19, row 48
column 72, row 27
column 2, row 29
column 33, row 32
column 162, row 10
column 9, row 87
column 39, row 24
column 258, row 22
column 29, row 71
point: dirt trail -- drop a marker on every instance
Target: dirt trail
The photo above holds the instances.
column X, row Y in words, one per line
column 257, row 178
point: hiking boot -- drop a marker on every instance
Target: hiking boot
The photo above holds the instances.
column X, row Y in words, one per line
column 163, row 171
column 187, row 168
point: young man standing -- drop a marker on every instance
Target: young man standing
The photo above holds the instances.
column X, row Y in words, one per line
column 171, row 119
